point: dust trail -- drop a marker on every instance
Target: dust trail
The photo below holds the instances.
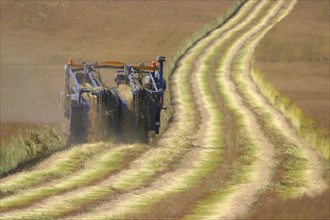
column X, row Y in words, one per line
column 141, row 171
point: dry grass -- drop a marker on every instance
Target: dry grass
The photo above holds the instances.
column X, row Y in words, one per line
column 24, row 144
column 93, row 172
column 175, row 146
column 10, row 130
column 294, row 56
column 301, row 208
column 307, row 128
column 150, row 166
column 59, row 165
column 115, row 33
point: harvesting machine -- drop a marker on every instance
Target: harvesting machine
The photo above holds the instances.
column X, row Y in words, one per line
column 88, row 100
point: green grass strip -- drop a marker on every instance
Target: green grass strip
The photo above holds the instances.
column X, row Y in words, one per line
column 108, row 162
column 296, row 167
column 307, row 128
column 153, row 162
column 131, row 178
column 28, row 145
column 216, row 205
column 202, row 165
column 97, row 191
column 57, row 166
column 171, row 64
column 301, row 163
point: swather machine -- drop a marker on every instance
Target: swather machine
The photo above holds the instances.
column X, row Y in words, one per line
column 86, row 93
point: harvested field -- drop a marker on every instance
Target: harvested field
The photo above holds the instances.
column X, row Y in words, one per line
column 227, row 152
column 294, row 57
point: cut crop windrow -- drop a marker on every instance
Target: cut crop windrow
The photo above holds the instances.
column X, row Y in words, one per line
column 30, row 144
column 106, row 164
column 298, row 183
column 153, row 162
column 191, row 146
column 303, row 173
column 143, row 169
column 198, row 171
column 218, row 205
column 72, row 201
column 58, row 166
column 306, row 127
column 247, row 122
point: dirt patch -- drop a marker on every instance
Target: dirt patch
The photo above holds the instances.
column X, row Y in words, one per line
column 294, row 56
column 37, row 38
column 302, row 208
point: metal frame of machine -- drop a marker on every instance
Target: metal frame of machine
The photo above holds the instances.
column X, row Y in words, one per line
column 83, row 85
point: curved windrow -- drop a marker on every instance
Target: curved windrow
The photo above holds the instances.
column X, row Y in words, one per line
column 189, row 150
